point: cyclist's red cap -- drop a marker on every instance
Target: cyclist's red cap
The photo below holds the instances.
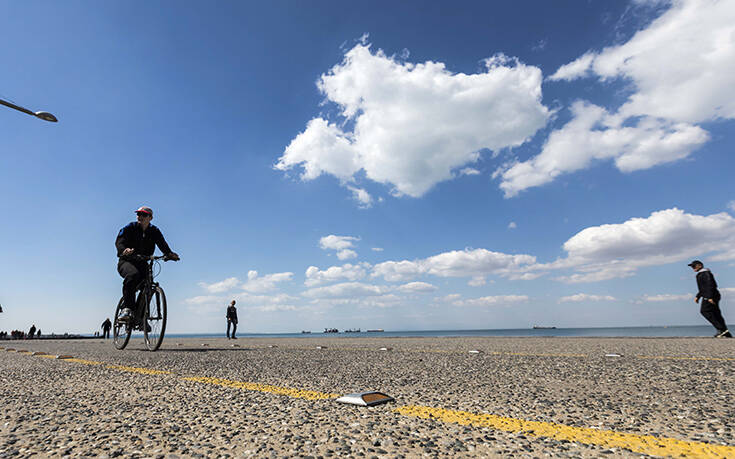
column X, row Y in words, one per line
column 145, row 210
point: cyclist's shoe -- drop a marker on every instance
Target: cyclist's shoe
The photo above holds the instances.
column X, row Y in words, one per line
column 126, row 315
column 723, row 334
column 139, row 326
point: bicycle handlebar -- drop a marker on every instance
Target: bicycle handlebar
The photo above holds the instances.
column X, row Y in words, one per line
column 148, row 258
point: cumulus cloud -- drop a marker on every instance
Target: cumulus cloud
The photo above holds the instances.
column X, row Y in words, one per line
column 500, row 300
column 512, row 225
column 222, row 286
column 315, row 276
column 333, row 242
column 363, row 198
column 667, row 236
column 205, row 305
column 417, row 287
column 257, row 284
column 469, row 171
column 666, row 297
column 414, row 125
column 345, row 289
column 583, row 297
column 595, row 135
column 456, row 263
column 680, row 70
column 476, row 281
column 346, row 254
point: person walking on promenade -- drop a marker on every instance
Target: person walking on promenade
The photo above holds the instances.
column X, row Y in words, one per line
column 231, row 319
column 32, row 332
column 106, row 326
column 710, row 297
column 137, row 239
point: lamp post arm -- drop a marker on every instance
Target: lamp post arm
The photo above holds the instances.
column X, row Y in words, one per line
column 17, row 107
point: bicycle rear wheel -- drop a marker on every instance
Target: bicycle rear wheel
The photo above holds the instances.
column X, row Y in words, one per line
column 154, row 320
column 120, row 330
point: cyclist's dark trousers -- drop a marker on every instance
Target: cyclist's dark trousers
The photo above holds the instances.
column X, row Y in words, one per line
column 234, row 328
column 712, row 313
column 132, row 274
column 106, row 333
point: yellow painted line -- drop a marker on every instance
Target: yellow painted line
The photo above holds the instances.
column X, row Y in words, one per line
column 45, row 356
column 144, row 371
column 85, row 362
column 287, row 391
column 645, row 444
column 665, row 357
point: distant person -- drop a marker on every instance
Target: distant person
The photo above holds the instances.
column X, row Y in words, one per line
column 32, row 331
column 38, row 334
column 106, row 326
column 137, row 239
column 231, row 319
column 710, row 297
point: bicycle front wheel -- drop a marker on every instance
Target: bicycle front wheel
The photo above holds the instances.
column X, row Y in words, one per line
column 154, row 320
column 120, row 330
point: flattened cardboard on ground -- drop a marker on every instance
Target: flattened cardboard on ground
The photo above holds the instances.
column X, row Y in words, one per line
column 370, row 398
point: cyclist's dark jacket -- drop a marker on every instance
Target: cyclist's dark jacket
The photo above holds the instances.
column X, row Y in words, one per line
column 133, row 237
column 707, row 285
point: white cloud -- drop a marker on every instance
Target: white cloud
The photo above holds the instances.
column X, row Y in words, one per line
column 476, row 281
column 365, row 201
column 416, row 123
column 681, row 70
column 417, row 287
column 204, row 299
column 346, row 254
column 469, row 171
column 457, row 263
column 333, row 242
column 222, row 286
column 512, row 225
column 578, row 68
column 731, row 205
column 345, row 290
column 315, row 276
column 667, row 236
column 256, row 284
column 667, row 297
column 583, row 297
column 595, row 135
column 377, row 249
column 500, row 300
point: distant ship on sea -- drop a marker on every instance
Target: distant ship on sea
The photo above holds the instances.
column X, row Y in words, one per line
column 352, row 330
column 375, row 330
column 539, row 327
column 331, row 330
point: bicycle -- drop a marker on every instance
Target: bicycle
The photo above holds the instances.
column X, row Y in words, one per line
column 150, row 318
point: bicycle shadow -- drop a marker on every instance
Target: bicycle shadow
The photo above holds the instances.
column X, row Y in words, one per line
column 209, row 349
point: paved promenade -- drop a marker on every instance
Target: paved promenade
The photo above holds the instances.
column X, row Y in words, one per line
column 263, row 397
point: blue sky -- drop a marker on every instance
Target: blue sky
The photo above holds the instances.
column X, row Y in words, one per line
column 399, row 166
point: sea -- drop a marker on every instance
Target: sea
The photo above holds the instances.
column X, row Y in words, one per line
column 673, row 331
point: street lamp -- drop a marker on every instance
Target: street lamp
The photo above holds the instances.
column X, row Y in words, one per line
column 46, row 116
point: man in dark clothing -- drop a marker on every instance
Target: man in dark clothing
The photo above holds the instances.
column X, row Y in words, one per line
column 137, row 240
column 32, row 332
column 710, row 297
column 231, row 319
column 106, row 325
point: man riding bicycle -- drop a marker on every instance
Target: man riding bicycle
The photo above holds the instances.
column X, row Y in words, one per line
column 134, row 242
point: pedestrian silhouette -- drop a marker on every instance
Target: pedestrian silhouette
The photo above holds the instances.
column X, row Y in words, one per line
column 106, row 325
